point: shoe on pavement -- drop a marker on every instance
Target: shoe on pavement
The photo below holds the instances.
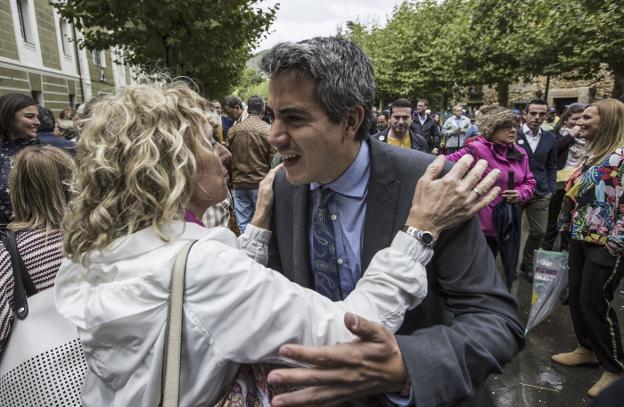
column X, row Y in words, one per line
column 605, row 380
column 579, row 356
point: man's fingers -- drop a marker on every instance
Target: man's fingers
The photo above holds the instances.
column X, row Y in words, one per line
column 485, row 200
column 434, row 168
column 312, row 376
column 474, row 175
column 316, row 396
column 366, row 330
column 325, row 356
column 487, row 182
column 460, row 168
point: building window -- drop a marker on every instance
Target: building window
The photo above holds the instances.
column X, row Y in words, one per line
column 99, row 58
column 24, row 20
column 65, row 35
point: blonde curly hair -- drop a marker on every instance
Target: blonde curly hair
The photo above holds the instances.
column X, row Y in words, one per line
column 137, row 162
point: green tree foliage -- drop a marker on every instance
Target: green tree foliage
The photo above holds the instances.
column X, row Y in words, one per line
column 208, row 41
column 434, row 48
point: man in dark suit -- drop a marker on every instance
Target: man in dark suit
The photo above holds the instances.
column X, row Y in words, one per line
column 541, row 147
column 424, row 125
column 320, row 95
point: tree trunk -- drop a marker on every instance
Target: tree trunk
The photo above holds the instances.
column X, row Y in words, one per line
column 503, row 93
column 547, row 88
column 618, row 84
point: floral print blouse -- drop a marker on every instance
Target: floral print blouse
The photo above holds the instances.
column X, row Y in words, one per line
column 8, row 151
column 593, row 207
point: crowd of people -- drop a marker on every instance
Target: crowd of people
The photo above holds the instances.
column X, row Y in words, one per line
column 353, row 247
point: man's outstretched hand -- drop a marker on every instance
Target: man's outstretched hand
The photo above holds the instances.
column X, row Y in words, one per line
column 369, row 365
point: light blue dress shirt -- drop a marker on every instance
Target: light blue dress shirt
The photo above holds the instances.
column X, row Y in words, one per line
column 348, row 211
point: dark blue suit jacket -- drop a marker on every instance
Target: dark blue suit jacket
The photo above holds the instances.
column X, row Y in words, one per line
column 542, row 162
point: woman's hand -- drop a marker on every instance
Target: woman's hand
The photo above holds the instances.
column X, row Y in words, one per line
column 264, row 203
column 511, row 195
column 441, row 203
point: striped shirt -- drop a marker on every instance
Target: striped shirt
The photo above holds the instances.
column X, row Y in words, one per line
column 42, row 257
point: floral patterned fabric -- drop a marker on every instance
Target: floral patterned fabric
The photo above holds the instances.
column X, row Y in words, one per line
column 593, row 207
column 8, row 151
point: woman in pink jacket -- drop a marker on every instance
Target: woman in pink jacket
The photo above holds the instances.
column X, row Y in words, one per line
column 496, row 145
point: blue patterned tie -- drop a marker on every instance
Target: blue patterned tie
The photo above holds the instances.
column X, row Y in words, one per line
column 325, row 267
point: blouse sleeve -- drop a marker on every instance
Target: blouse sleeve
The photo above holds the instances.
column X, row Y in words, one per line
column 255, row 242
column 249, row 311
column 615, row 240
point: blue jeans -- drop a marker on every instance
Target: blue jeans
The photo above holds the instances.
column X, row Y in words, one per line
column 244, row 206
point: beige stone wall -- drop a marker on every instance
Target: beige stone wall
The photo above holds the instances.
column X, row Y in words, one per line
column 47, row 34
column 8, row 47
column 13, row 80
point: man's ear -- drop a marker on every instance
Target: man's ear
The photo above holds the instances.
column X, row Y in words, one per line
column 353, row 121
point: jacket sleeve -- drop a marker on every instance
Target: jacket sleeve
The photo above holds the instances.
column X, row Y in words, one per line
column 563, row 143
column 460, row 153
column 551, row 168
column 447, row 363
column 241, row 301
column 527, row 187
column 448, row 128
column 615, row 241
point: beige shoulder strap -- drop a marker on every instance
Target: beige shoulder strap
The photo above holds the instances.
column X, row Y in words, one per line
column 173, row 337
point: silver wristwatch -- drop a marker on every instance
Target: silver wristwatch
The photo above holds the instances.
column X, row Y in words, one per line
column 425, row 237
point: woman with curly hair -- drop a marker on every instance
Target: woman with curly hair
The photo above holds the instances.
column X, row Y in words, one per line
column 144, row 157
column 593, row 210
column 496, row 145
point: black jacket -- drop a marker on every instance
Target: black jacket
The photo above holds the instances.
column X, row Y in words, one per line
column 563, row 147
column 418, row 142
column 542, row 162
column 428, row 130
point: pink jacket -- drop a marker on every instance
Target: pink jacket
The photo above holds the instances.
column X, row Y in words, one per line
column 506, row 158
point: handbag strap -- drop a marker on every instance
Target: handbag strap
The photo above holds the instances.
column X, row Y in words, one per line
column 173, row 336
column 23, row 284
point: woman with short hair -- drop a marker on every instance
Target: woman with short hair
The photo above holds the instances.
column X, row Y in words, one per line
column 497, row 146
column 19, row 123
column 593, row 211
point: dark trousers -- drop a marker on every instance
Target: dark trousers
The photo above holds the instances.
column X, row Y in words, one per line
column 492, row 244
column 554, row 207
column 594, row 276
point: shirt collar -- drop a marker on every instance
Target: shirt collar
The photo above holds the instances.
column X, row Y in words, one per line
column 528, row 133
column 354, row 180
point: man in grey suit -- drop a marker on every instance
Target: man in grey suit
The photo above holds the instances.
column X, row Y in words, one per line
column 320, row 96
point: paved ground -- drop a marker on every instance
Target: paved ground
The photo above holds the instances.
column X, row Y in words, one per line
column 532, row 379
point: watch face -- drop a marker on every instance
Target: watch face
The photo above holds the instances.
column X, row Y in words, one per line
column 426, row 238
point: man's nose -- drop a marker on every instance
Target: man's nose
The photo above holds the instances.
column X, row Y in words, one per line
column 278, row 134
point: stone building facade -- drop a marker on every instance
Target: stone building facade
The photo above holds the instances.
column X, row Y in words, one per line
column 39, row 57
column 562, row 90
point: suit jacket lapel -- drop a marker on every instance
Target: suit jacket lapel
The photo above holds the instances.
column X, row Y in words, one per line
column 381, row 205
column 525, row 143
column 300, row 237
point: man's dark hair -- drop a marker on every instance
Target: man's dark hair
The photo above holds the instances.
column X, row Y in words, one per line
column 255, row 105
column 233, row 101
column 425, row 101
column 341, row 71
column 10, row 104
column 46, row 118
column 401, row 102
column 384, row 114
column 535, row 102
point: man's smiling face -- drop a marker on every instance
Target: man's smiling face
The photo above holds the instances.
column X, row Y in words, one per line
column 314, row 148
